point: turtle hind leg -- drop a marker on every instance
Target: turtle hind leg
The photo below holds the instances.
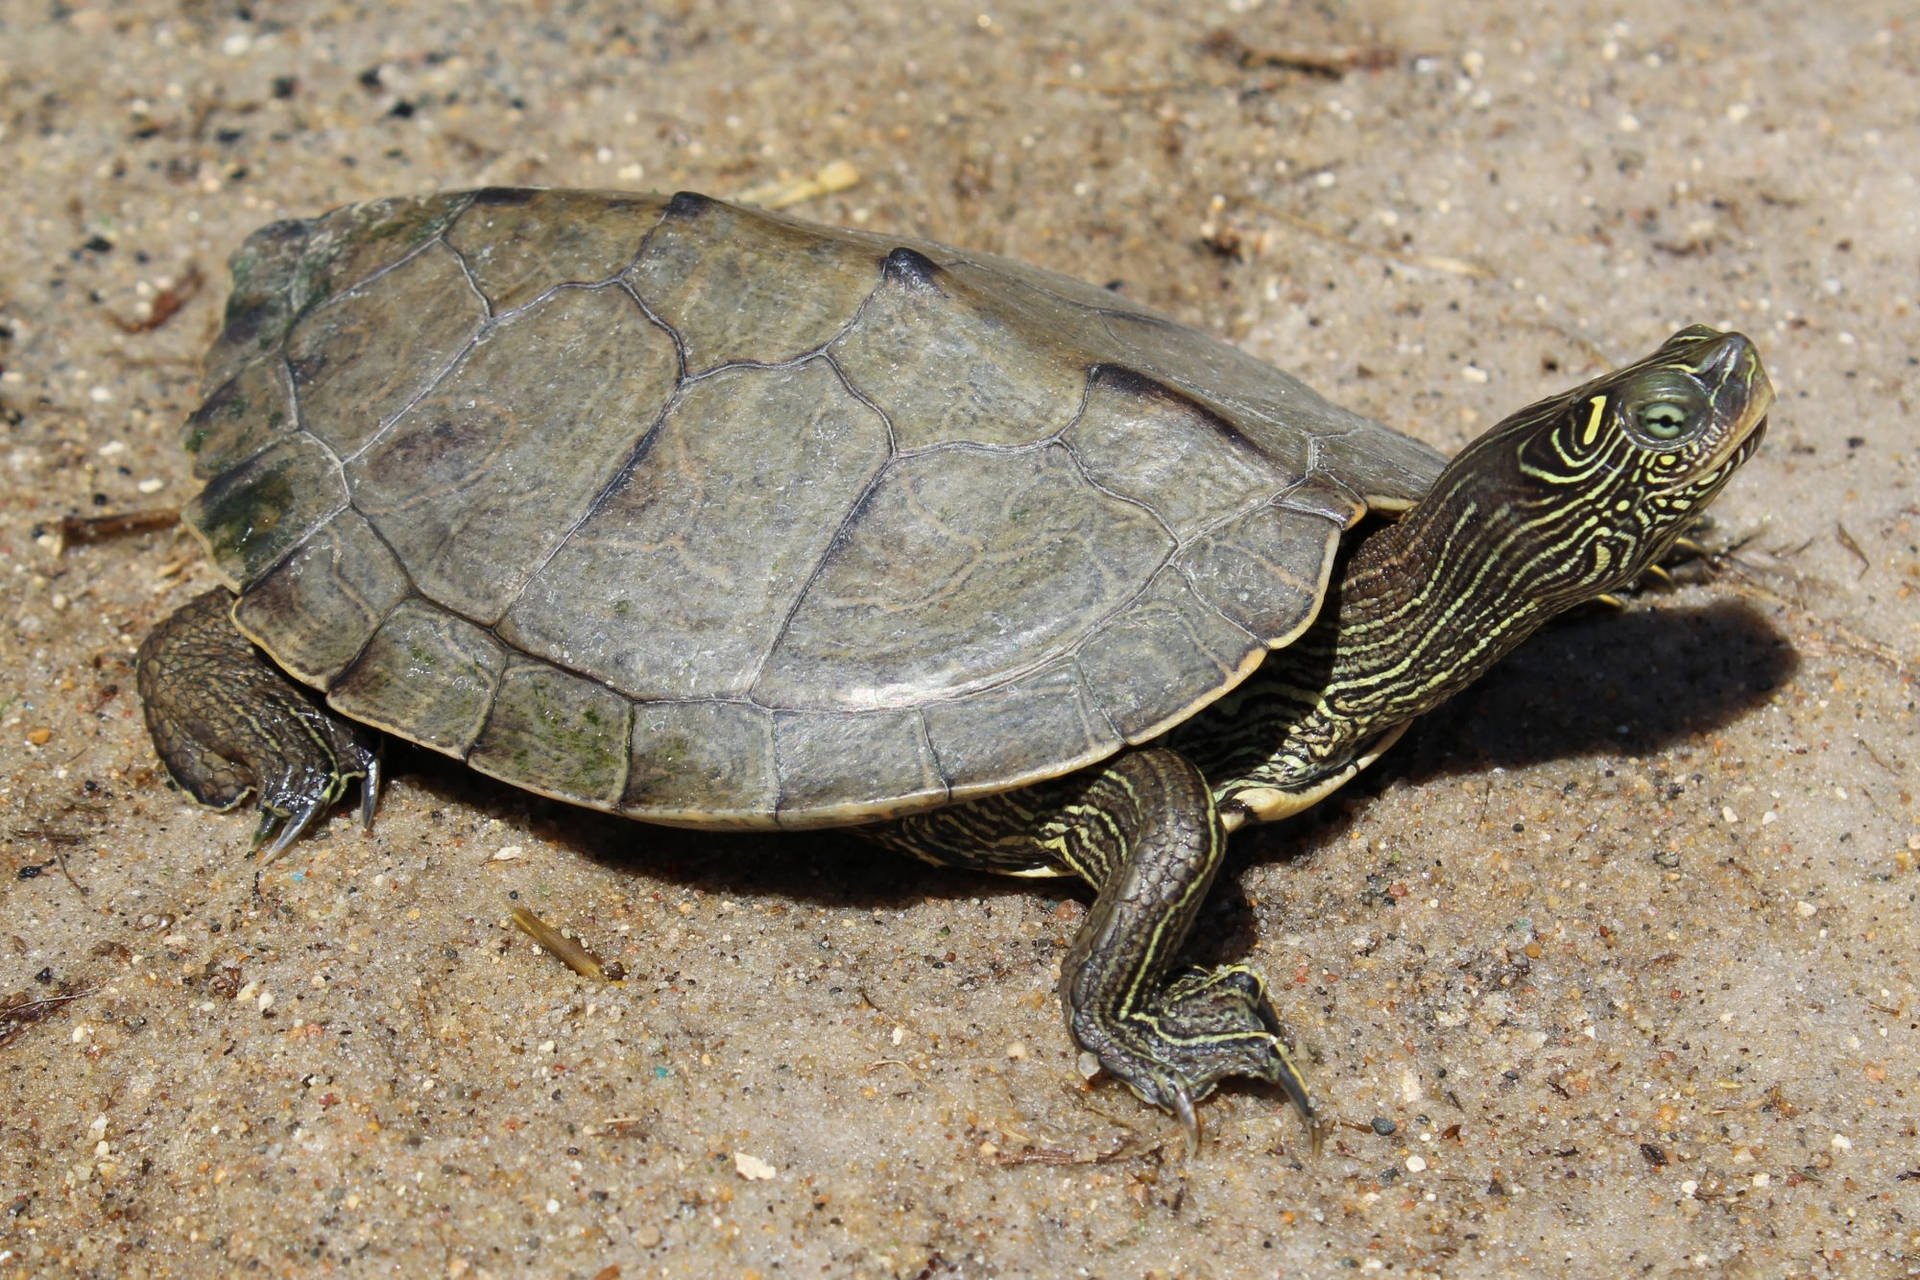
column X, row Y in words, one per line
column 230, row 726
column 1142, row 829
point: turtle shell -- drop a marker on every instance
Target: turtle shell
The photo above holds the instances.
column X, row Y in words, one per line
column 714, row 517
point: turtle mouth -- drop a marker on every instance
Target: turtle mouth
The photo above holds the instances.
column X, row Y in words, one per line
column 1742, row 394
column 1749, row 415
column 1737, row 452
column 1733, row 454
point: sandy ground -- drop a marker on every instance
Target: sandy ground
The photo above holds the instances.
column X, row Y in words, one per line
column 1609, row 968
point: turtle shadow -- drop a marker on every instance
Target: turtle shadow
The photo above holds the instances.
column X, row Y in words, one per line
column 1605, row 684
column 1597, row 684
column 833, row 868
column 1602, row 683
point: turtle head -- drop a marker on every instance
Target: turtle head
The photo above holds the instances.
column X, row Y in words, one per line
column 1584, row 490
column 1566, row 500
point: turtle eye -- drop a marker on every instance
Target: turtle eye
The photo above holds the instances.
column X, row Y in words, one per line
column 1664, row 408
column 1662, row 420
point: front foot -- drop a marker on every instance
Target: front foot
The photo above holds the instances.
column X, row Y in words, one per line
column 230, row 725
column 1203, row 1027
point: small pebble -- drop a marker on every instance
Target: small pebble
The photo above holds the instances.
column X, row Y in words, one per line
column 1383, row 1126
column 753, row 1168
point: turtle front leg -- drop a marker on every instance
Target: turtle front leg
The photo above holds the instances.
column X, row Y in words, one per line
column 228, row 724
column 1143, row 831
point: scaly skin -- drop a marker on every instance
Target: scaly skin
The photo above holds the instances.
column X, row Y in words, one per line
column 229, row 725
column 1143, row 830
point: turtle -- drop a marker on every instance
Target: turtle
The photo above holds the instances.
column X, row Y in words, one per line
column 716, row 518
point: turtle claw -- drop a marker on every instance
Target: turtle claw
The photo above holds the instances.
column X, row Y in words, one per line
column 1182, row 1104
column 289, row 825
column 370, row 790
